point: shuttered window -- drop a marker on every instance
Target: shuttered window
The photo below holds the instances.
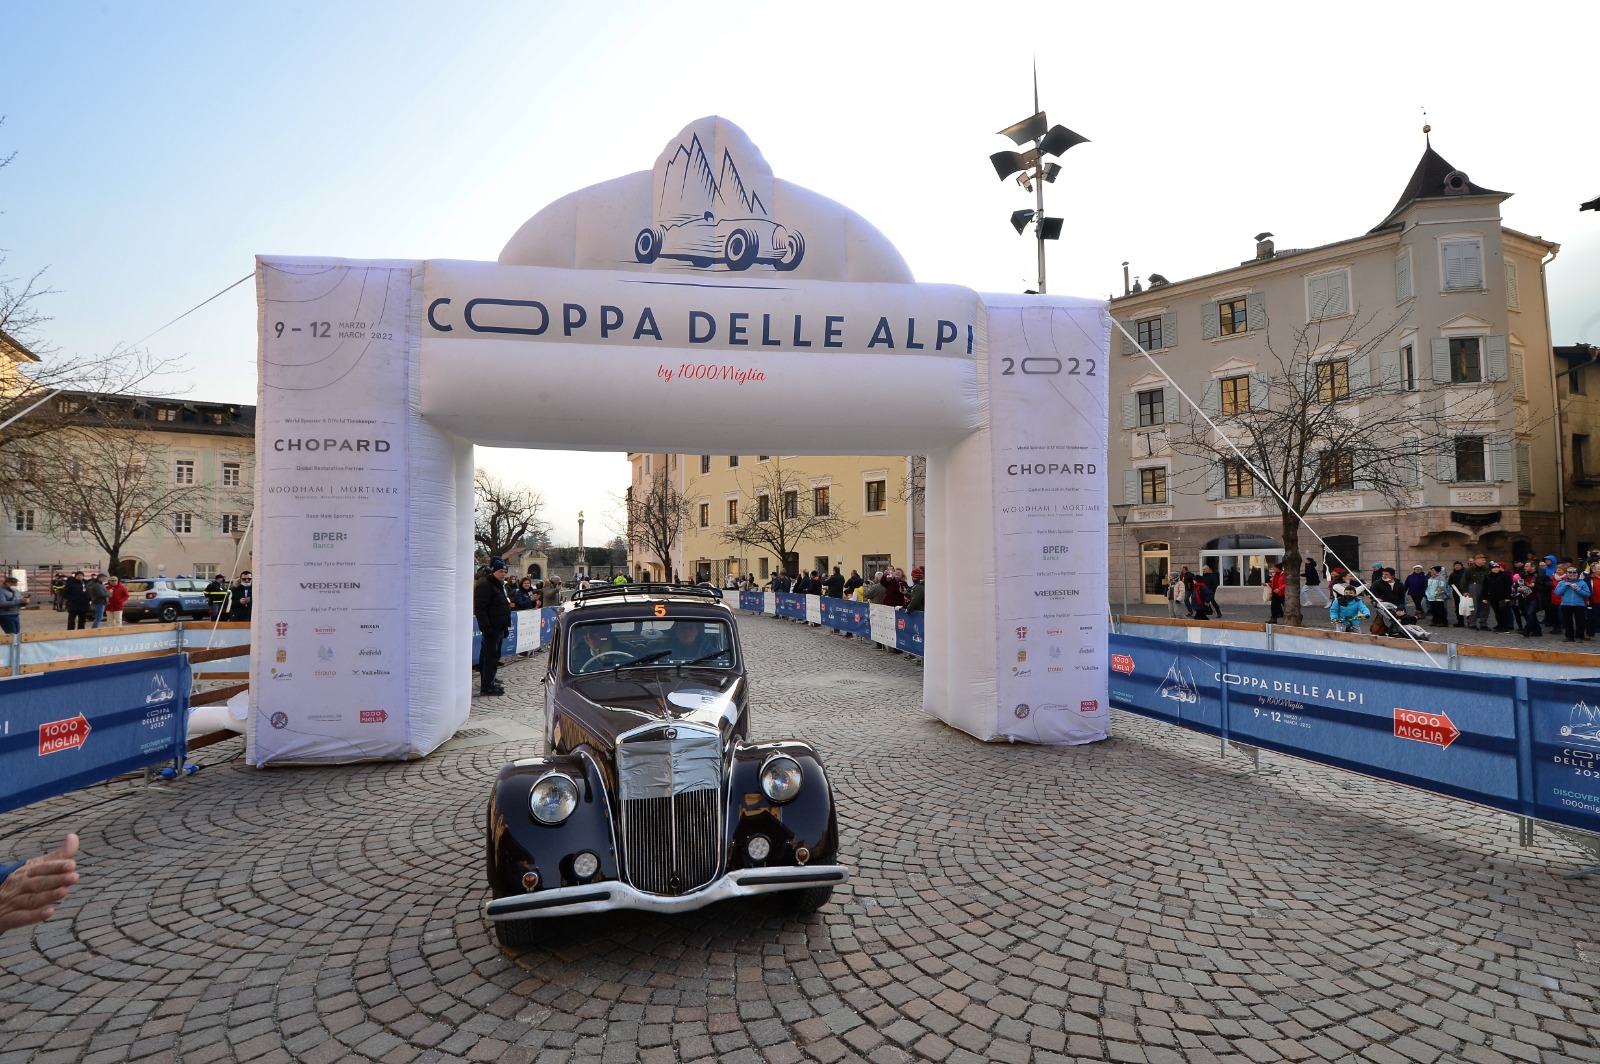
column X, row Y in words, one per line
column 1333, row 380
column 1402, row 276
column 1235, row 394
column 1470, row 466
column 1150, row 334
column 1463, row 265
column 1524, row 468
column 1513, row 295
column 1237, row 481
column 1328, row 296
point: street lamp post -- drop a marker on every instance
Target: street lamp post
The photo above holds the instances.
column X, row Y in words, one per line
column 1122, row 509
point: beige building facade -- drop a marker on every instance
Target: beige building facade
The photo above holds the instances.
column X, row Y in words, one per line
column 1467, row 353
column 871, row 496
column 198, row 457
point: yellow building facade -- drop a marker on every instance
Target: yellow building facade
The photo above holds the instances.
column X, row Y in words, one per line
column 876, row 507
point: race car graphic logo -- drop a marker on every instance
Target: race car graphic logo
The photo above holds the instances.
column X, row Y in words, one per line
column 1179, row 684
column 712, row 207
column 160, row 690
column 1583, row 723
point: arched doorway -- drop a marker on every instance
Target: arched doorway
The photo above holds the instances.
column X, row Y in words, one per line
column 129, row 568
column 1155, row 560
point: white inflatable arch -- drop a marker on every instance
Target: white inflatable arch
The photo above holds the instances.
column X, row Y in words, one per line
column 705, row 294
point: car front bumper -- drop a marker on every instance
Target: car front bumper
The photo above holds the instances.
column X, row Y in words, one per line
column 605, row 896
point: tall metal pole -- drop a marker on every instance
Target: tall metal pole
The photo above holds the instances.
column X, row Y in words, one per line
column 1038, row 183
column 1122, row 526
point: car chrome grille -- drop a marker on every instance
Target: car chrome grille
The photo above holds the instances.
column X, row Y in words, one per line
column 669, row 782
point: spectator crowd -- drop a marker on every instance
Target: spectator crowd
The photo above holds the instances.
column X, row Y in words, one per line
column 1532, row 598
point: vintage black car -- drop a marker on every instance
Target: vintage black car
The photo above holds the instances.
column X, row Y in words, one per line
column 651, row 794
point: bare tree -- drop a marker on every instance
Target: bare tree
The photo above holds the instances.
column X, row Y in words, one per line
column 504, row 516
column 105, row 477
column 655, row 519
column 1321, row 419
column 777, row 513
column 913, row 491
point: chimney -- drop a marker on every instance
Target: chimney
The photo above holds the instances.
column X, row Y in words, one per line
column 1264, row 246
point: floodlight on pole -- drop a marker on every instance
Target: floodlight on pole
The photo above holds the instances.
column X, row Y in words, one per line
column 1033, row 170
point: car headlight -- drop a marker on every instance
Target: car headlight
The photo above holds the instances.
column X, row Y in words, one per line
column 553, row 799
column 780, row 778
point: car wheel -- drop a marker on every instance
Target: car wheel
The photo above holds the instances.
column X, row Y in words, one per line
column 810, row 899
column 794, row 249
column 647, row 245
column 169, row 614
column 515, row 934
column 740, row 249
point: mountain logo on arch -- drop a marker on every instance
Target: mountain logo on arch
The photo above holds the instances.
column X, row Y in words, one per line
column 708, row 215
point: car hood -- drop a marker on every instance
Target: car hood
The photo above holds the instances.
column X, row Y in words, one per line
column 616, row 702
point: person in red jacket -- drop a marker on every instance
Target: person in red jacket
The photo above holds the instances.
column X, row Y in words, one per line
column 116, row 598
column 1277, row 585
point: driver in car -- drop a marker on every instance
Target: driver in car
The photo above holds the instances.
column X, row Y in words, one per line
column 594, row 641
column 690, row 642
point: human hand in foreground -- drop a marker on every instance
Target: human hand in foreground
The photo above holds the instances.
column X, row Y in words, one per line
column 30, row 894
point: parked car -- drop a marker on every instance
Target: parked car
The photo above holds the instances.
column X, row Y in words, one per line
column 166, row 598
column 650, row 794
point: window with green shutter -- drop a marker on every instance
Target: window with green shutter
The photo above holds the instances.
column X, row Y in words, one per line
column 1463, row 265
column 1402, row 276
column 1149, row 332
column 1153, row 485
column 1328, row 295
column 1232, row 318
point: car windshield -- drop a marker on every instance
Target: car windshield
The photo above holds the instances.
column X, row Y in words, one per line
column 599, row 646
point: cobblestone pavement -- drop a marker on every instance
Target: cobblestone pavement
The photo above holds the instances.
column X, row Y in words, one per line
column 1142, row 899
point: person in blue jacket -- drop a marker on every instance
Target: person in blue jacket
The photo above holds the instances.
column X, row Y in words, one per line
column 1347, row 611
column 1574, row 591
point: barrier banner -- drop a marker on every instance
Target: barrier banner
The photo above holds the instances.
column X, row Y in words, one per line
column 751, row 601
column 63, row 730
column 908, row 633
column 813, row 607
column 104, row 643
column 791, row 606
column 884, row 629
column 1443, row 731
column 547, row 624
column 1565, row 725
column 1174, row 682
column 525, row 625
column 846, row 615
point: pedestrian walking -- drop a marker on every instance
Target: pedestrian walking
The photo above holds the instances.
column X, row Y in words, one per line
column 1277, row 585
column 1438, row 591
column 1311, row 584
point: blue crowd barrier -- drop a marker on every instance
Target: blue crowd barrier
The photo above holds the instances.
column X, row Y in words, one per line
column 844, row 615
column 74, row 727
column 1528, row 747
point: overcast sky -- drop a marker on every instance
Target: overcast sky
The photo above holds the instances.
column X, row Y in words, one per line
column 161, row 146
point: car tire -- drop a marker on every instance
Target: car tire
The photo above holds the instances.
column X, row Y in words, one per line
column 169, row 614
column 810, row 899
column 647, row 245
column 516, row 934
column 794, row 249
column 740, row 249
